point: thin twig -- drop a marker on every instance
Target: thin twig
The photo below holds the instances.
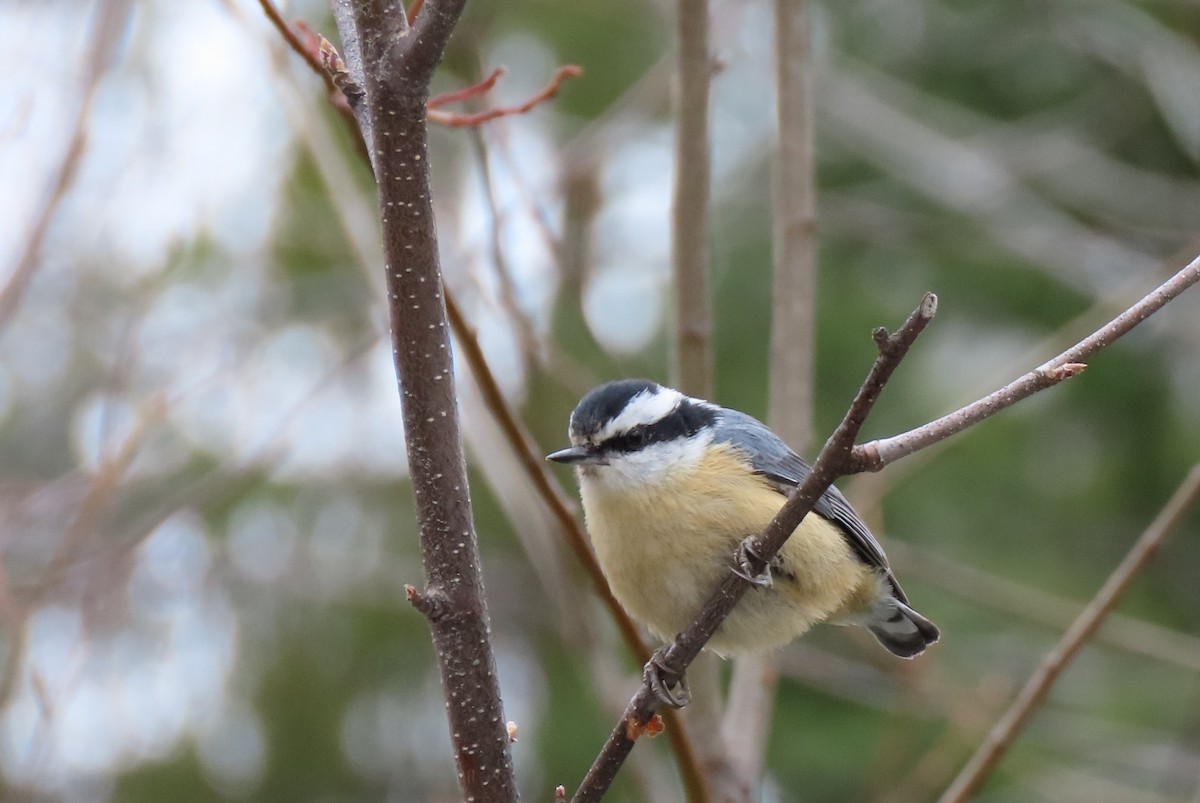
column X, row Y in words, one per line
column 309, row 54
column 876, row 454
column 458, row 120
column 467, row 92
column 100, row 496
column 832, row 462
column 748, row 716
column 1027, row 702
column 534, row 463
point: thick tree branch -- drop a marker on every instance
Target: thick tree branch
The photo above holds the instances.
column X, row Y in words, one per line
column 1031, row 697
column 393, row 67
column 877, row 454
column 832, row 462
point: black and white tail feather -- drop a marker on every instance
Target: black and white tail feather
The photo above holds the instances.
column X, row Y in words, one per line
column 901, row 630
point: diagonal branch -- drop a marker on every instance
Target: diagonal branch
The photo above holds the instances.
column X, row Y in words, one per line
column 877, row 454
column 832, row 462
column 840, row 457
column 1031, row 697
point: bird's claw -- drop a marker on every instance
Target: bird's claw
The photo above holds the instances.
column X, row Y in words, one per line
column 744, row 557
column 653, row 676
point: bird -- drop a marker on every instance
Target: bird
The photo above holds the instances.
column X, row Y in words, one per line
column 672, row 485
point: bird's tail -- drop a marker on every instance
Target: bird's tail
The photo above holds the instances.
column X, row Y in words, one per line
column 902, row 630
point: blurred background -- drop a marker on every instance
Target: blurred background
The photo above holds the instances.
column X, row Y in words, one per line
column 205, row 524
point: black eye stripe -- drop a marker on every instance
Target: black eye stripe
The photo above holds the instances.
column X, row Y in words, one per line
column 684, row 421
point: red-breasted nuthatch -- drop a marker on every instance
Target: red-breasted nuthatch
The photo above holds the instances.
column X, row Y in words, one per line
column 671, row 485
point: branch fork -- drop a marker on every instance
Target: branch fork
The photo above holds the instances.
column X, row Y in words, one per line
column 461, row 120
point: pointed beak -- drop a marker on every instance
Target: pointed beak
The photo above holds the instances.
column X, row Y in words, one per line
column 575, row 454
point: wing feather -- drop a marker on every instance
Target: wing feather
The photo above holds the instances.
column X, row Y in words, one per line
column 772, row 458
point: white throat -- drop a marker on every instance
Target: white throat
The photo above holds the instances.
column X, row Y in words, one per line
column 657, row 463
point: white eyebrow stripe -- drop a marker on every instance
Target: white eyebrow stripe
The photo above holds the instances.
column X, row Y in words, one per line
column 643, row 409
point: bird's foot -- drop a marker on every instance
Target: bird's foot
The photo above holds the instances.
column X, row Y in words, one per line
column 653, row 676
column 744, row 558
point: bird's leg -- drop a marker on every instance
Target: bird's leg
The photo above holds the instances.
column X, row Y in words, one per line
column 653, row 676
column 744, row 558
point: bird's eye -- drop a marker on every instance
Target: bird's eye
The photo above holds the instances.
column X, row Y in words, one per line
column 637, row 437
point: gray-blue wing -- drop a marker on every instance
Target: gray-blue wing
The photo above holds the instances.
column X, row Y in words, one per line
column 771, row 457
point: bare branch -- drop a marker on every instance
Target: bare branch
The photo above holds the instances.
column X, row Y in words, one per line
column 457, row 120
column 794, row 241
column 1031, row 697
column 393, row 66
column 833, row 461
column 693, row 362
column 467, row 92
column 877, row 454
